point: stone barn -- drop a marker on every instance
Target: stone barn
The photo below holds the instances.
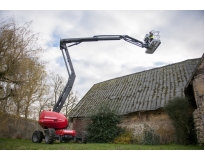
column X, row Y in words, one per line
column 139, row 98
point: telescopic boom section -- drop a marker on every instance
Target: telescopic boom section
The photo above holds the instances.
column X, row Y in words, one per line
column 71, row 78
column 75, row 41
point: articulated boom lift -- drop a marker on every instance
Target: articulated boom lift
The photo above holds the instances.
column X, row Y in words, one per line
column 55, row 123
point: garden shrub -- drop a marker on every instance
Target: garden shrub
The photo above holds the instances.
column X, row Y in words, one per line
column 178, row 109
column 103, row 127
column 125, row 137
column 150, row 138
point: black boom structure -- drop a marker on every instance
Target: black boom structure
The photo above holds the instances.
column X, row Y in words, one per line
column 150, row 46
column 71, row 78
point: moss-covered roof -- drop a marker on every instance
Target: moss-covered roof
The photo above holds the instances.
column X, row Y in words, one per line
column 147, row 90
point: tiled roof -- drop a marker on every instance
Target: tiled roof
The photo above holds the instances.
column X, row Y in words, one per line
column 147, row 90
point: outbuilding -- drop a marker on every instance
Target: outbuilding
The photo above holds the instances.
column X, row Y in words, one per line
column 139, row 98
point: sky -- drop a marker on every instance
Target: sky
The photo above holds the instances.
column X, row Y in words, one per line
column 181, row 35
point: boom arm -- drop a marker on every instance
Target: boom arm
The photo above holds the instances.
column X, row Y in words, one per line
column 75, row 41
column 71, row 73
column 71, row 78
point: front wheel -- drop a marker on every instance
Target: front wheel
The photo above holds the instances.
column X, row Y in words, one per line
column 37, row 137
column 49, row 136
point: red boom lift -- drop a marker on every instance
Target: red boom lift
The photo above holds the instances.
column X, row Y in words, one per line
column 55, row 123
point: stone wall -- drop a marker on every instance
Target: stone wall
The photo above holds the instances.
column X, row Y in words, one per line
column 198, row 114
column 199, row 124
column 156, row 120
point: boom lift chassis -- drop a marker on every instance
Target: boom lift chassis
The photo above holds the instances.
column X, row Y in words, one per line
column 55, row 123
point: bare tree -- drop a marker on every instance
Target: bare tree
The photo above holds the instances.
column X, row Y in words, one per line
column 58, row 84
column 24, row 86
column 21, row 71
column 45, row 96
column 34, row 87
column 70, row 103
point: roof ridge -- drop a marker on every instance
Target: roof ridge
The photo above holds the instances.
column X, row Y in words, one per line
column 147, row 70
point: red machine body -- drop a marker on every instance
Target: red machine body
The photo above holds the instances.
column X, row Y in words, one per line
column 58, row 121
column 63, row 132
column 54, row 120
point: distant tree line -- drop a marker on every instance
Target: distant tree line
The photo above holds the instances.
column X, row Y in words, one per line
column 26, row 88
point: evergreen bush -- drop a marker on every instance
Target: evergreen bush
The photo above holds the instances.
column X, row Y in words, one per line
column 178, row 109
column 150, row 138
column 103, row 127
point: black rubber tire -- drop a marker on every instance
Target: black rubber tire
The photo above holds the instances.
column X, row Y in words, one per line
column 50, row 136
column 84, row 136
column 37, row 137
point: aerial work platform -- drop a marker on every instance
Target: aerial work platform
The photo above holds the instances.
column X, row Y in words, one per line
column 154, row 44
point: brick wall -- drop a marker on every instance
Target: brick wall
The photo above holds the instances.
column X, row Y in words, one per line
column 79, row 124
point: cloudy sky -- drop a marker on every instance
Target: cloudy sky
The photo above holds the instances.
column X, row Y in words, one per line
column 181, row 31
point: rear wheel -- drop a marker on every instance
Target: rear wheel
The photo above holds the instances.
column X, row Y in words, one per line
column 37, row 137
column 64, row 141
column 83, row 136
column 50, row 136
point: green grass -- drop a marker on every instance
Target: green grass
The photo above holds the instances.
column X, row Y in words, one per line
column 16, row 144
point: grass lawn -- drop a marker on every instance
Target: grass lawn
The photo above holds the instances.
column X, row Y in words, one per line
column 16, row 144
